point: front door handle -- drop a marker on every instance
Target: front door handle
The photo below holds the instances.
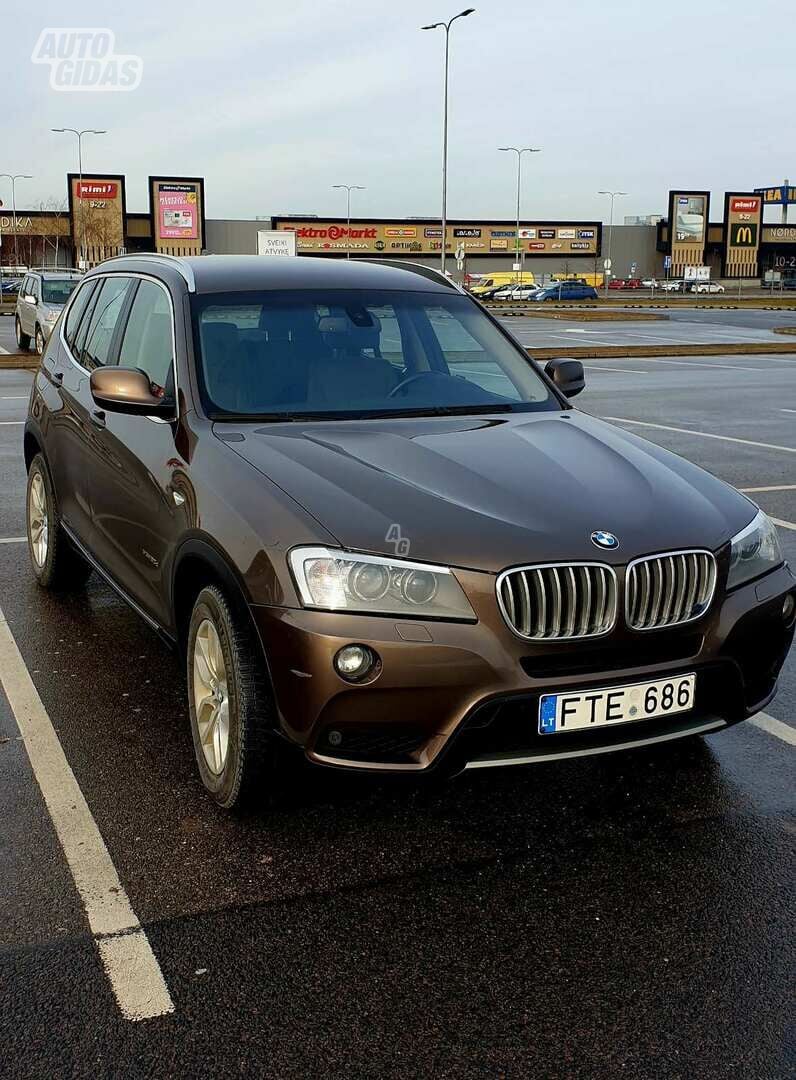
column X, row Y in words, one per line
column 57, row 377
column 98, row 417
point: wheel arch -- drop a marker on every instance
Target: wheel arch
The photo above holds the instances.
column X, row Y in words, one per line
column 32, row 444
column 198, row 563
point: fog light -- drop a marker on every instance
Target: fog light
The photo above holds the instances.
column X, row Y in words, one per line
column 355, row 662
column 788, row 609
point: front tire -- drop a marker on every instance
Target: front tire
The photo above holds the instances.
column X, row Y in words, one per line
column 39, row 340
column 23, row 340
column 230, row 704
column 55, row 562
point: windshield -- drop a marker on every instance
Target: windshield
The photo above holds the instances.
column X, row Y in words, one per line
column 57, row 292
column 354, row 353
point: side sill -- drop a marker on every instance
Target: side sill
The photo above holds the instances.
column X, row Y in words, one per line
column 153, row 624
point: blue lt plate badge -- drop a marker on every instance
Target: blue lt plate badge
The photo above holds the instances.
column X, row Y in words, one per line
column 547, row 714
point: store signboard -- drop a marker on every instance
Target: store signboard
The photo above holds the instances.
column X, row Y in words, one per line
column 97, row 211
column 315, row 236
column 743, row 220
column 688, row 228
column 176, row 210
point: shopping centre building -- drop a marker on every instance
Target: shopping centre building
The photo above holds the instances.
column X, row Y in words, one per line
column 93, row 223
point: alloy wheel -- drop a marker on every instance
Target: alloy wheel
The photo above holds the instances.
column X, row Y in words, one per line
column 38, row 520
column 211, row 696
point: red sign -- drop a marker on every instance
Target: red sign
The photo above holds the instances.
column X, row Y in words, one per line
column 537, row 247
column 96, row 189
column 334, row 232
column 747, row 206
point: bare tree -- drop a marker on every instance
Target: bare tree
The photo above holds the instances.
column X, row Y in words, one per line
column 57, row 210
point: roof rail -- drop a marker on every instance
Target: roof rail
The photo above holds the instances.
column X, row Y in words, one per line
column 429, row 272
column 176, row 261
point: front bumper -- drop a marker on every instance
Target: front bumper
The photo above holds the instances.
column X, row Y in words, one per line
column 455, row 695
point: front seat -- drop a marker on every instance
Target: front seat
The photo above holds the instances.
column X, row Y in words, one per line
column 347, row 375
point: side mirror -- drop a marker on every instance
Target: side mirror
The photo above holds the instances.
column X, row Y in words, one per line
column 128, row 390
column 29, row 299
column 567, row 375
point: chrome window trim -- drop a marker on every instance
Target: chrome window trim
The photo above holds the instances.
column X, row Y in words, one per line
column 177, row 262
column 667, row 555
column 142, row 277
column 556, row 565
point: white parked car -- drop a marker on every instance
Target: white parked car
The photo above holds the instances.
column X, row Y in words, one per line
column 649, row 283
column 516, row 292
column 707, row 286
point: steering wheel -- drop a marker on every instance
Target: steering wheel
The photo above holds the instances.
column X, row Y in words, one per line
column 413, row 378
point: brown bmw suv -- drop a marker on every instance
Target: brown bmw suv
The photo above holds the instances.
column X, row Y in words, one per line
column 380, row 533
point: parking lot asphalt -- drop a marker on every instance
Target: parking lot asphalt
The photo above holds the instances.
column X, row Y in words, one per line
column 682, row 330
column 627, row 915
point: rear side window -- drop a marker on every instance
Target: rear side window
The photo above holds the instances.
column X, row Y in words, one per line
column 76, row 312
column 147, row 343
column 102, row 324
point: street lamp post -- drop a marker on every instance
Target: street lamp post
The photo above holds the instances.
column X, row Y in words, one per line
column 613, row 195
column 519, row 152
column 446, row 26
column 13, row 177
column 348, row 188
column 80, row 134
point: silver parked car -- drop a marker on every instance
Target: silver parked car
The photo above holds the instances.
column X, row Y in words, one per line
column 40, row 301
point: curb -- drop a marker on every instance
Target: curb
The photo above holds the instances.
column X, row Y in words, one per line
column 581, row 315
column 19, row 362
column 595, row 352
column 682, row 305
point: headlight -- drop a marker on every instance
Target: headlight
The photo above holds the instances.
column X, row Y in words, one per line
column 340, row 581
column 754, row 551
column 51, row 316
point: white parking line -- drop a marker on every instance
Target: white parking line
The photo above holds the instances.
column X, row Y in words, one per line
column 13, row 539
column 775, row 727
column 24, row 397
column 773, row 487
column 783, row 524
column 126, row 954
column 788, row 410
column 11, row 423
column 689, row 363
column 701, row 434
column 627, row 370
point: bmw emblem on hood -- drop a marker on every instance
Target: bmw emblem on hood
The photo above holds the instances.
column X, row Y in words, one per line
column 604, row 540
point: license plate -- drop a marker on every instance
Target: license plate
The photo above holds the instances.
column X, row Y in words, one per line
column 615, row 704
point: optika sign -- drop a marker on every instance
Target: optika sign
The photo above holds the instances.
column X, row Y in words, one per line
column 85, row 58
column 95, row 189
column 334, row 232
column 744, row 206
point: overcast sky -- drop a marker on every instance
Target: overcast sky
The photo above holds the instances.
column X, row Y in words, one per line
column 273, row 103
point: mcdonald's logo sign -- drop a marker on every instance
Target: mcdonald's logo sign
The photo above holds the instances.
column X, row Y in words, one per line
column 743, row 235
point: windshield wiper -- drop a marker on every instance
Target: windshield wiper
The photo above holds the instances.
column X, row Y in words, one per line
column 363, row 414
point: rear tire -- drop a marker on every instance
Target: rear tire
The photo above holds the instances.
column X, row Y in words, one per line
column 230, row 704
column 55, row 562
column 23, row 340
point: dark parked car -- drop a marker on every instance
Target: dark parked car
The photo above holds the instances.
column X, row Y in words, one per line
column 567, row 290
column 378, row 532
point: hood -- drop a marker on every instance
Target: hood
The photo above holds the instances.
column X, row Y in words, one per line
column 491, row 492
